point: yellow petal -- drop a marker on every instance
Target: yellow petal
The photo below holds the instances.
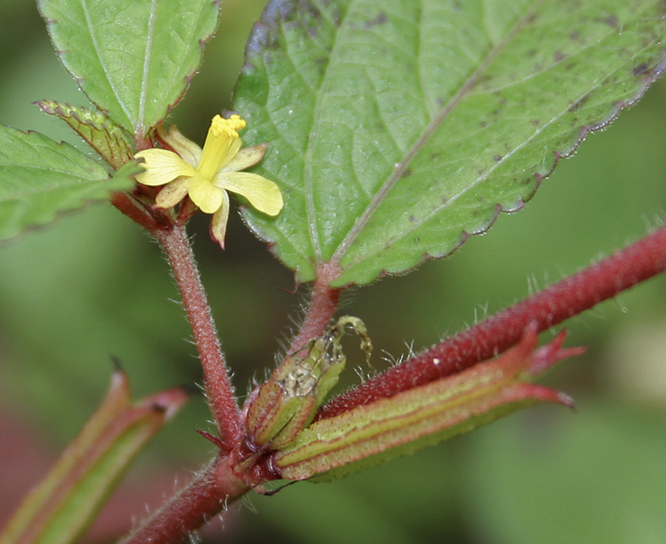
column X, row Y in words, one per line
column 231, row 155
column 172, row 193
column 262, row 193
column 245, row 158
column 187, row 149
column 218, row 227
column 161, row 167
column 219, row 142
column 205, row 195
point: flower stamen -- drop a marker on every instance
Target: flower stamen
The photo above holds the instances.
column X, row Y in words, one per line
column 207, row 174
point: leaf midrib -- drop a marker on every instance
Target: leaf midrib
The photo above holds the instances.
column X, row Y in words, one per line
column 601, row 124
column 97, row 50
column 446, row 110
column 140, row 127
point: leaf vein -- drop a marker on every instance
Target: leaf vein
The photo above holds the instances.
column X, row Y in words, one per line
column 427, row 133
column 140, row 128
column 97, row 50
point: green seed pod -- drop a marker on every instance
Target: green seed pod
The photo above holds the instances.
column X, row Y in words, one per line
column 287, row 402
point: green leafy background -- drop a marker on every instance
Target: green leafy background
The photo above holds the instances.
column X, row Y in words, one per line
column 93, row 285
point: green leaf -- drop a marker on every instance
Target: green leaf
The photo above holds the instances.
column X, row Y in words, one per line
column 133, row 58
column 398, row 129
column 101, row 133
column 40, row 178
column 61, row 507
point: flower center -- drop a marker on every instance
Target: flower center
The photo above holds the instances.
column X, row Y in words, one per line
column 221, row 136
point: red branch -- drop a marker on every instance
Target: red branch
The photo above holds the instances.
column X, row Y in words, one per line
column 219, row 390
column 209, row 493
column 571, row 296
column 322, row 307
column 123, row 202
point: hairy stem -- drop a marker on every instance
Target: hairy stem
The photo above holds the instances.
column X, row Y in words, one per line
column 567, row 298
column 209, row 493
column 125, row 205
column 323, row 303
column 219, row 390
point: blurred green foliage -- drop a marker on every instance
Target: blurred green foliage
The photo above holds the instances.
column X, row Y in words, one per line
column 93, row 285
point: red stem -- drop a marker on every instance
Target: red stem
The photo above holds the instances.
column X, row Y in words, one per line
column 210, row 492
column 219, row 390
column 125, row 205
column 571, row 296
column 322, row 307
column 216, row 486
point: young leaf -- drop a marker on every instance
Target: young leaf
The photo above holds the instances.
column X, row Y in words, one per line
column 103, row 135
column 40, row 178
column 399, row 128
column 134, row 59
column 60, row 508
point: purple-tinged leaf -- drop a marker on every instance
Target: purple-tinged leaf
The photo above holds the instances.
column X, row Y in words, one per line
column 60, row 508
column 399, row 128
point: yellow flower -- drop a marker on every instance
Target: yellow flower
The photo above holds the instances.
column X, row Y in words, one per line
column 206, row 175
